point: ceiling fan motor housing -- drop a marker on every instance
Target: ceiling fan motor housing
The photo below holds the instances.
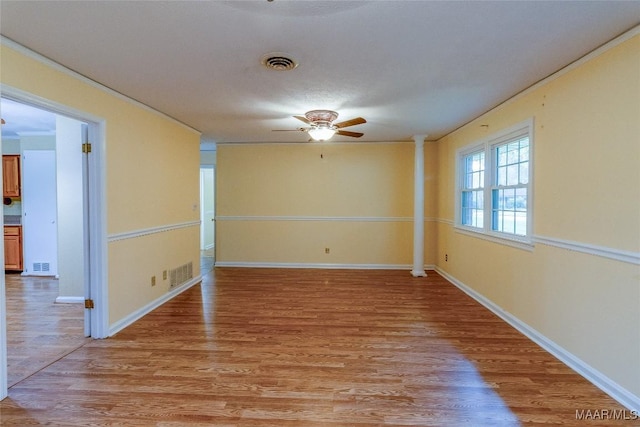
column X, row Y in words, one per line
column 322, row 118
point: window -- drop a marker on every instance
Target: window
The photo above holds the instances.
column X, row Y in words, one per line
column 504, row 162
column 473, row 191
column 509, row 190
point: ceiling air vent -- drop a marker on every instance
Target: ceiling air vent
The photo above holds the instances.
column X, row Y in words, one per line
column 279, row 61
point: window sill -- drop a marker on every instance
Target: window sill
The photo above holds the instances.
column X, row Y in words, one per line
column 518, row 243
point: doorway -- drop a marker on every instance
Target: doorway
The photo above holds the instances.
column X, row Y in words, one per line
column 89, row 258
column 207, row 214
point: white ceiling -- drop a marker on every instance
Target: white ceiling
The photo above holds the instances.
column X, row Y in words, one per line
column 408, row 67
column 23, row 120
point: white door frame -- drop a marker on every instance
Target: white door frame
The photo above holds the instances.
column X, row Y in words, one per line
column 95, row 222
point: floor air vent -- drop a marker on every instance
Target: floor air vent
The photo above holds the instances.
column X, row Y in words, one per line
column 180, row 275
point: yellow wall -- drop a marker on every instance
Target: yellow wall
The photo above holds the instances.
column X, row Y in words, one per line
column 152, row 176
column 586, row 190
column 286, row 203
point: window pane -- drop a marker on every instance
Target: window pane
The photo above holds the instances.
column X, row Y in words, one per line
column 521, row 199
column 521, row 223
column 474, row 171
column 512, row 174
column 502, row 155
column 512, row 154
column 475, row 180
column 496, row 221
column 502, row 176
column 524, row 173
column 509, row 208
column 478, row 220
column 472, row 208
column 524, row 150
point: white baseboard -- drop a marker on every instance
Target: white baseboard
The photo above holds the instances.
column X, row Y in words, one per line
column 597, row 378
column 327, row 266
column 128, row 320
column 70, row 300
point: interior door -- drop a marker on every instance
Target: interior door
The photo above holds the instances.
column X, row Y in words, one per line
column 39, row 210
column 86, row 231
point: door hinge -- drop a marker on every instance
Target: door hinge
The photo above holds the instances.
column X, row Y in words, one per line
column 86, row 147
column 88, row 304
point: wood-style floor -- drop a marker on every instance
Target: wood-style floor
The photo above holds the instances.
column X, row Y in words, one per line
column 39, row 331
column 288, row 347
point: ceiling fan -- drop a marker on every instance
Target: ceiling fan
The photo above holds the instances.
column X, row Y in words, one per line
column 322, row 128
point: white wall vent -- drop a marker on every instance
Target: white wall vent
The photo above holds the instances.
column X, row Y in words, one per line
column 40, row 267
column 180, row 275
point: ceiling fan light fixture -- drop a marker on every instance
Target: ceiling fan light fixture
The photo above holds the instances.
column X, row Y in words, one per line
column 321, row 133
column 321, row 126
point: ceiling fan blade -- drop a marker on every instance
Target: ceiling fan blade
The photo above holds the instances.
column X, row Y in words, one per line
column 290, row 130
column 352, row 122
column 348, row 133
column 303, row 119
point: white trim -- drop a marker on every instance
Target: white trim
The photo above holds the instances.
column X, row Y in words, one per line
column 312, row 218
column 327, row 266
column 586, row 248
column 494, row 237
column 138, row 314
column 84, row 79
column 596, row 250
column 39, row 102
column 597, row 378
column 152, row 230
column 69, row 300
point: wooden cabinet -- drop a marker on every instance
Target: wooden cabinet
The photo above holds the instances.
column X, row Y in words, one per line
column 13, row 247
column 11, row 175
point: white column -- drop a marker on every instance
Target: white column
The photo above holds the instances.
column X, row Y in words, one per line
column 418, row 208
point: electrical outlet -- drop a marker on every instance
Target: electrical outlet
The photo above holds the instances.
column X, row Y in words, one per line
column 327, row 250
column 153, row 280
column 164, row 275
column 446, row 257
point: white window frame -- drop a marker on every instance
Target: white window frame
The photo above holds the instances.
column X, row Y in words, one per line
column 462, row 187
column 489, row 147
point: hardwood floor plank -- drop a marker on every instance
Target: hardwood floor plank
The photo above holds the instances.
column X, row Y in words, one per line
column 281, row 347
